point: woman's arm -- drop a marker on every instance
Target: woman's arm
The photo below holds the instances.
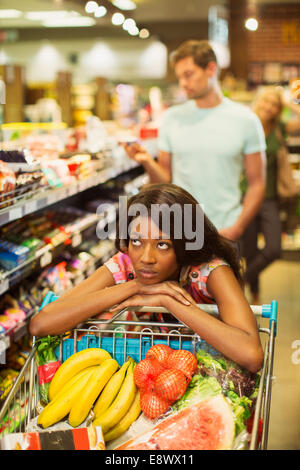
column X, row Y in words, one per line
column 93, row 296
column 235, row 333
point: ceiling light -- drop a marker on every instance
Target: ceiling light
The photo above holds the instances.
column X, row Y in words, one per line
column 133, row 31
column 101, row 11
column 50, row 15
column 69, row 22
column 91, row 7
column 124, row 4
column 251, row 24
column 117, row 19
column 129, row 23
column 144, row 33
column 10, row 14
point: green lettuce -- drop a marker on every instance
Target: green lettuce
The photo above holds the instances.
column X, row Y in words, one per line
column 200, row 388
column 241, row 407
column 209, row 362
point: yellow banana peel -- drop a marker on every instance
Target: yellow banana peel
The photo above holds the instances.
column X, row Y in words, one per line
column 60, row 407
column 82, row 406
column 73, row 365
column 124, row 424
column 120, row 405
column 111, row 389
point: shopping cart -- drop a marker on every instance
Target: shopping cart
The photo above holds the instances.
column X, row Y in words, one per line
column 120, row 338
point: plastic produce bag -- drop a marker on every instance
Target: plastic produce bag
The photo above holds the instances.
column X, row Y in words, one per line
column 47, row 364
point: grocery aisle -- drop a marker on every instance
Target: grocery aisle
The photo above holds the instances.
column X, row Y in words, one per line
column 281, row 282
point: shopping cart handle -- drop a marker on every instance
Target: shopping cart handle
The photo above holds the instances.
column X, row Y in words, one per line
column 49, row 297
column 266, row 311
column 270, row 311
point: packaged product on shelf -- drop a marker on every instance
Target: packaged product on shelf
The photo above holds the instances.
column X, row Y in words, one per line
column 16, row 356
column 26, row 182
column 7, row 184
column 56, row 278
column 12, row 255
column 6, row 322
column 7, row 378
column 60, row 168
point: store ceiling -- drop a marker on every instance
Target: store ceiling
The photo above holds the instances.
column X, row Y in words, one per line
column 162, row 17
column 146, row 11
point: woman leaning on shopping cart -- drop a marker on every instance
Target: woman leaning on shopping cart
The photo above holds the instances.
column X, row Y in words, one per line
column 160, row 271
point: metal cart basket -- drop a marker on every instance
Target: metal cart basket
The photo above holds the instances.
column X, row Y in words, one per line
column 120, row 338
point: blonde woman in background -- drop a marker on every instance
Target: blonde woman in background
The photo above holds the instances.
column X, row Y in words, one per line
column 268, row 106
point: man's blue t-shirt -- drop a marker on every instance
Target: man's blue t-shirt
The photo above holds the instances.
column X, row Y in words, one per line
column 207, row 147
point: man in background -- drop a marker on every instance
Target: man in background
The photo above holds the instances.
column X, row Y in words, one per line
column 207, row 142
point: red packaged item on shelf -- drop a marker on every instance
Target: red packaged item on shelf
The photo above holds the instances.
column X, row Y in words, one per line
column 148, row 133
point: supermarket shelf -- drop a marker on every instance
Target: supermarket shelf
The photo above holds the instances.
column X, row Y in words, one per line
column 21, row 329
column 133, row 186
column 45, row 197
column 44, row 256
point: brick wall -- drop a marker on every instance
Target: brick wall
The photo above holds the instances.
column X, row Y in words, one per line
column 278, row 37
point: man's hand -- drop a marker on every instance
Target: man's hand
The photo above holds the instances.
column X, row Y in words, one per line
column 136, row 152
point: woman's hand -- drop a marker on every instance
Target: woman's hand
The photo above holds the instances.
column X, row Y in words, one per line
column 139, row 300
column 156, row 295
column 171, row 288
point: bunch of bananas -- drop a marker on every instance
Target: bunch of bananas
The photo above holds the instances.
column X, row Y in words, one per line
column 119, row 404
column 92, row 377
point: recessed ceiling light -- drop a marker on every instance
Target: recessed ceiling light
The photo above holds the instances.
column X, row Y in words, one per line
column 133, row 31
column 10, row 14
column 124, row 4
column 251, row 24
column 52, row 14
column 117, row 19
column 91, row 7
column 69, row 22
column 144, row 33
column 101, row 11
column 129, row 23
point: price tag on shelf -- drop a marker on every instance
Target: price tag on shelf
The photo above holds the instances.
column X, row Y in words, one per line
column 4, row 345
column 63, row 193
column 84, row 184
column 15, row 213
column 30, row 207
column 72, row 190
column 4, row 286
column 76, row 239
column 46, row 259
column 52, row 198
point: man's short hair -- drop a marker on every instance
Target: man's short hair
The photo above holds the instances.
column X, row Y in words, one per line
column 201, row 52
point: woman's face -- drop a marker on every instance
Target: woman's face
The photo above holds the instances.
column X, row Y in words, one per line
column 153, row 257
column 268, row 107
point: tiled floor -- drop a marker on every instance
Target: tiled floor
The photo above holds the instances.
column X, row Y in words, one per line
column 281, row 282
